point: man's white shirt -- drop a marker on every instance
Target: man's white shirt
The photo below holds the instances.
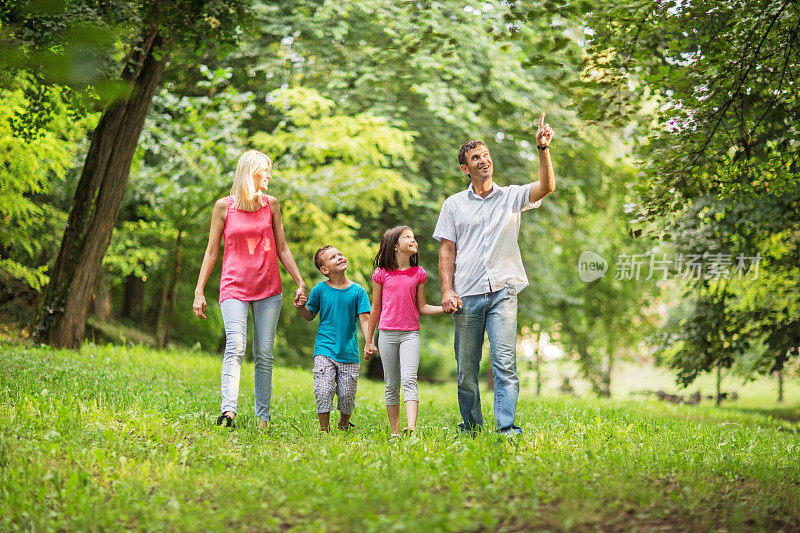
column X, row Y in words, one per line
column 485, row 232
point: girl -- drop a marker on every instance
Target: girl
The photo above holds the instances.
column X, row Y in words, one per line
column 250, row 223
column 398, row 298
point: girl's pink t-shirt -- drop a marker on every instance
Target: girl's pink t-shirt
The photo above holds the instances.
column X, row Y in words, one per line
column 250, row 261
column 399, row 310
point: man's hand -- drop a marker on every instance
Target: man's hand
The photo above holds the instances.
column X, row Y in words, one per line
column 544, row 134
column 451, row 302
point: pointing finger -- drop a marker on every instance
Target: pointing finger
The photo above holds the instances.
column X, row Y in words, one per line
column 541, row 120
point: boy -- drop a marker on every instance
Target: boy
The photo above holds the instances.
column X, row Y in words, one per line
column 339, row 303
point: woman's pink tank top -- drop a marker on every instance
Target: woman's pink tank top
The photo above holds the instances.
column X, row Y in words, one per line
column 250, row 260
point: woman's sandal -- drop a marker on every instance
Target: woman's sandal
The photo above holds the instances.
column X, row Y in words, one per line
column 229, row 423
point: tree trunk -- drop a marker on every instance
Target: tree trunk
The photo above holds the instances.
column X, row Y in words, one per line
column 780, row 386
column 101, row 304
column 538, row 353
column 605, row 381
column 168, row 297
column 719, row 381
column 606, row 378
column 591, row 370
column 62, row 316
column 134, row 297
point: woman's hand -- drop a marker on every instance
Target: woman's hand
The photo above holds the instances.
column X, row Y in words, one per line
column 300, row 296
column 199, row 305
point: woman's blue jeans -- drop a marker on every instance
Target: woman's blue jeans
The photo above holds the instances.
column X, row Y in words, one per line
column 265, row 321
column 496, row 314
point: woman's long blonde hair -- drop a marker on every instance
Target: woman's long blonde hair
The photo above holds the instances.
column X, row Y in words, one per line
column 244, row 193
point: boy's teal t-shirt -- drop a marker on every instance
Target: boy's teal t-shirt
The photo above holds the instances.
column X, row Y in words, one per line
column 338, row 319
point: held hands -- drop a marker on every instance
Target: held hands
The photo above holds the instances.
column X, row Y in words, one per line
column 369, row 350
column 451, row 302
column 199, row 305
column 544, row 134
column 300, row 297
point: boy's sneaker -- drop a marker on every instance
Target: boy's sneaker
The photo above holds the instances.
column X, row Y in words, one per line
column 348, row 427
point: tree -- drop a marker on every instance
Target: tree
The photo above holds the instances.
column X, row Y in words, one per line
column 739, row 309
column 159, row 27
column 720, row 158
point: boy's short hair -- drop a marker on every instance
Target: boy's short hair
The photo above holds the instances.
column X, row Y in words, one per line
column 466, row 147
column 318, row 255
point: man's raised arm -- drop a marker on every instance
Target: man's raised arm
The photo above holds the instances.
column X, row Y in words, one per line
column 547, row 178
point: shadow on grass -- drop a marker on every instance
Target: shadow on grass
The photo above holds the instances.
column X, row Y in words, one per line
column 103, row 332
column 788, row 413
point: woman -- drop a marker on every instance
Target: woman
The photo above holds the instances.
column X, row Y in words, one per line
column 249, row 221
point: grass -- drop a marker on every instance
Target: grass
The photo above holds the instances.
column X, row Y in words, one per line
column 123, row 438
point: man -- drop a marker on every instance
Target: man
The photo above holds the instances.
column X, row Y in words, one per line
column 481, row 270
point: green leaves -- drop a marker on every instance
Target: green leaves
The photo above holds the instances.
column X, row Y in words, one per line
column 35, row 167
column 335, row 161
column 719, row 150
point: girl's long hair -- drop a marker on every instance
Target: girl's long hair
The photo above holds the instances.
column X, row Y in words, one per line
column 244, row 193
column 386, row 257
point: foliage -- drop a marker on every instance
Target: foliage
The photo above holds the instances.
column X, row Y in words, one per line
column 337, row 162
column 723, row 74
column 32, row 171
column 750, row 309
column 716, row 85
column 112, row 438
column 404, row 62
column 71, row 47
column 136, row 245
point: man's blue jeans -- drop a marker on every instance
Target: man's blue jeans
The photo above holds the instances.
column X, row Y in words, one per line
column 265, row 321
column 496, row 314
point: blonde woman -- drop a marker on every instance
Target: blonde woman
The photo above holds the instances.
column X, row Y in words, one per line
column 249, row 222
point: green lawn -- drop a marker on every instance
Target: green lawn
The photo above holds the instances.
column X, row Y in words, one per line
column 123, row 438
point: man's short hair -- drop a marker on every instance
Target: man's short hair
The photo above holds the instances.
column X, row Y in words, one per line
column 318, row 255
column 466, row 147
